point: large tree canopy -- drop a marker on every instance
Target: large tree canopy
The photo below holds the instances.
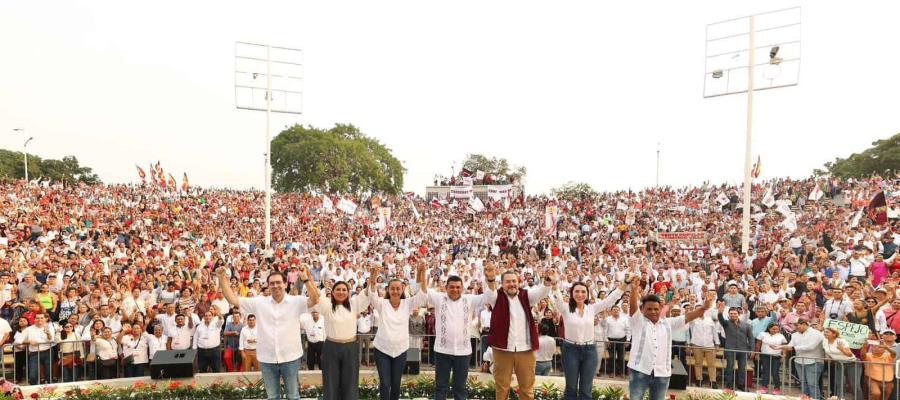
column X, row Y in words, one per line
column 494, row 166
column 337, row 160
column 882, row 158
column 574, row 190
column 68, row 169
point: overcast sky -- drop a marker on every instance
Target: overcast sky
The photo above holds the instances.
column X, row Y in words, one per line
column 578, row 91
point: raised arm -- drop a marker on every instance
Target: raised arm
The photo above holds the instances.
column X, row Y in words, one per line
column 224, row 284
column 311, row 289
column 698, row 313
column 635, row 295
column 421, row 277
column 610, row 300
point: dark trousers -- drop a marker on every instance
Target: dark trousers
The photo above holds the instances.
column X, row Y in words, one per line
column 37, row 361
column 616, row 362
column 313, row 355
column 340, row 370
column 108, row 371
column 737, row 381
column 770, row 367
column 135, row 370
column 20, row 366
column 444, row 366
column 390, row 370
column 209, row 359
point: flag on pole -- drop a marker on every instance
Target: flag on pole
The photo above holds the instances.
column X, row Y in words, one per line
column 756, row 168
column 415, row 210
column 855, row 222
column 184, row 183
column 722, row 200
column 790, row 222
column 172, row 183
column 878, row 208
column 475, row 204
column 816, row 193
column 768, row 198
column 141, row 174
column 153, row 175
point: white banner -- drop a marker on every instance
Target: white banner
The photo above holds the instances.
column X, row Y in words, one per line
column 816, row 193
column 551, row 214
column 768, row 199
column 722, row 200
column 461, row 192
column 476, row 205
column 499, row 192
column 347, row 206
column 384, row 217
column 327, row 204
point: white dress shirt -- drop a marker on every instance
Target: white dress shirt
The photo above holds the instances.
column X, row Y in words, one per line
column 546, row 350
column 485, row 319
column 364, row 324
column 392, row 337
column 106, row 349
column 277, row 325
column 315, row 330
column 617, row 328
column 137, row 347
column 114, row 323
column 167, row 321
column 248, row 334
column 651, row 344
column 518, row 338
column 155, row 344
column 580, row 325
column 35, row 334
column 704, row 331
column 208, row 336
column 340, row 323
column 452, row 336
column 181, row 337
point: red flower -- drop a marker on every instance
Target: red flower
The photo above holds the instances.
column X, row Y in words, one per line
column 35, row 395
column 174, row 385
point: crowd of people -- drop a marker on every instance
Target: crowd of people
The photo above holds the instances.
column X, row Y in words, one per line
column 95, row 280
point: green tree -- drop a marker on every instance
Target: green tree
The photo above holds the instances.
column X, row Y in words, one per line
column 574, row 189
column 337, row 160
column 882, row 158
column 67, row 169
column 494, row 166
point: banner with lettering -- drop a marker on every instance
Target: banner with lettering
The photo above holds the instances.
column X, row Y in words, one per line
column 855, row 334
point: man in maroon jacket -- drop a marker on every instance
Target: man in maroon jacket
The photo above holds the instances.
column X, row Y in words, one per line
column 514, row 336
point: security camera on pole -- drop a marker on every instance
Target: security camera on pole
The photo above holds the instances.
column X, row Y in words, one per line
column 268, row 78
column 732, row 46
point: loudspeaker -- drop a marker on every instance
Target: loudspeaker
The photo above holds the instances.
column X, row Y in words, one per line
column 413, row 361
column 173, row 364
column 679, row 379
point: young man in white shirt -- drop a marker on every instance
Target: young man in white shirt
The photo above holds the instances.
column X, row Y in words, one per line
column 314, row 326
column 651, row 343
column 247, row 345
column 208, row 341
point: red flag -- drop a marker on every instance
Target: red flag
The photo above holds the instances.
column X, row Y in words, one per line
column 878, row 208
column 466, row 172
column 141, row 173
column 436, row 204
column 153, row 175
column 172, row 182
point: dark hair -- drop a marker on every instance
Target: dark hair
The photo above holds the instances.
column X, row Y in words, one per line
column 345, row 303
column 276, row 273
column 387, row 295
column 735, row 309
column 572, row 304
column 454, row 278
column 650, row 298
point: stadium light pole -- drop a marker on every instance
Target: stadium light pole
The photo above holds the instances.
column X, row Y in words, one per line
column 25, row 151
column 780, row 31
column 253, row 61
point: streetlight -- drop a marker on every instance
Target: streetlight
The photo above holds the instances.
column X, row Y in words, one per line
column 25, row 150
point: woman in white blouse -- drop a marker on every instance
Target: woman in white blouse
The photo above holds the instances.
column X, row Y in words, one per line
column 579, row 352
column 340, row 353
column 107, row 354
column 843, row 367
column 392, row 338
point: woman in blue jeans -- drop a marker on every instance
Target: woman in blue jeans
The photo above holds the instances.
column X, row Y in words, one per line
column 579, row 353
column 770, row 359
column 392, row 338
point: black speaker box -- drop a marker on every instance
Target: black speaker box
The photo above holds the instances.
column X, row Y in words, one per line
column 173, row 364
column 679, row 379
column 413, row 361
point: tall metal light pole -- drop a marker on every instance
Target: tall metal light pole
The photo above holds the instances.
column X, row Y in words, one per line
column 25, row 151
column 727, row 43
column 657, row 164
column 285, row 65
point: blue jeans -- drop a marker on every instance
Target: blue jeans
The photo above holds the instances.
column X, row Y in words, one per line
column 579, row 365
column 37, row 360
column 639, row 383
column 273, row 373
column 770, row 365
column 390, row 370
column 809, row 378
column 542, row 368
column 444, row 364
column 739, row 382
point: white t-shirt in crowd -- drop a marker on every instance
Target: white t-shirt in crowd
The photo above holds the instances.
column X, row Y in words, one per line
column 768, row 340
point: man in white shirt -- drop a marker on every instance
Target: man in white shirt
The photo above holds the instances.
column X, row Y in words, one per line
column 364, row 328
column 247, row 344
column 314, row 326
column 651, row 343
column 453, row 347
column 180, row 336
column 278, row 322
column 618, row 331
column 39, row 338
column 208, row 341
column 157, row 341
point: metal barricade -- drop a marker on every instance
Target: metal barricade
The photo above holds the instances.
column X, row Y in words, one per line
column 847, row 379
